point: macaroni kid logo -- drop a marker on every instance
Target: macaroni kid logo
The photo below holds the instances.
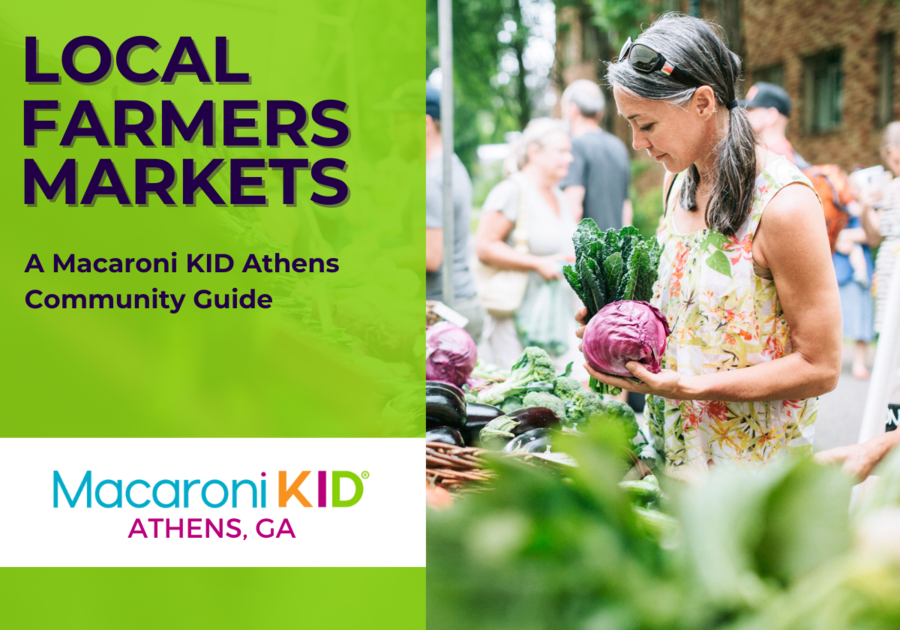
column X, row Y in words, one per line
column 215, row 494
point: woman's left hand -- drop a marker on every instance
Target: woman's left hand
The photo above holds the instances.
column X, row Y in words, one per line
column 668, row 383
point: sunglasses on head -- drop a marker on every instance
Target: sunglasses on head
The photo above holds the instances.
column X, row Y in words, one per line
column 644, row 59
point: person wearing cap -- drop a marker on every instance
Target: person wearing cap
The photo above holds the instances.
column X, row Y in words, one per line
column 465, row 300
column 768, row 110
column 596, row 186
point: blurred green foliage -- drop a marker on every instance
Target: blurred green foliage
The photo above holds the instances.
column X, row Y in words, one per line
column 620, row 19
column 647, row 204
column 771, row 549
column 484, row 111
column 647, row 210
column 539, row 552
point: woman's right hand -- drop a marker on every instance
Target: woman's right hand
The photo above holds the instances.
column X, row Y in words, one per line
column 857, row 459
column 581, row 317
column 548, row 267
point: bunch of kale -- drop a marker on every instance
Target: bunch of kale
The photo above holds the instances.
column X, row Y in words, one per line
column 611, row 266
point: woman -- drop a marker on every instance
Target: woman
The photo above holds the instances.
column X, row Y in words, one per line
column 541, row 161
column 883, row 226
column 745, row 279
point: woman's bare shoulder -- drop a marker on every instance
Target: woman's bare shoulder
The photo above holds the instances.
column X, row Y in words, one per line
column 503, row 197
column 791, row 203
column 793, row 224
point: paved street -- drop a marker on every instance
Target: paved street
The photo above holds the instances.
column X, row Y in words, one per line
column 841, row 411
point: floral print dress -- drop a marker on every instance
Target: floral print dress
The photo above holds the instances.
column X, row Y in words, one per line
column 724, row 314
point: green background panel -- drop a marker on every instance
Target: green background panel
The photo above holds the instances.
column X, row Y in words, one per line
column 340, row 355
column 393, row 599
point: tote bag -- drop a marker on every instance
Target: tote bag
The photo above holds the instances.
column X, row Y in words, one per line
column 502, row 290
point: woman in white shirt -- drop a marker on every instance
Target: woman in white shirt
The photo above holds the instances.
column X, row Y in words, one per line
column 542, row 158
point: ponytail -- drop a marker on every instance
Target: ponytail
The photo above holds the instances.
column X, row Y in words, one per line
column 734, row 177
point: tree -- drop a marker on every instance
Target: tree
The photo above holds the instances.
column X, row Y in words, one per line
column 604, row 26
column 728, row 13
column 488, row 101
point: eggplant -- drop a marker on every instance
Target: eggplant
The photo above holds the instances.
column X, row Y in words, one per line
column 477, row 412
column 533, row 418
column 443, row 408
column 534, row 441
column 477, row 417
column 447, row 435
column 499, row 431
column 447, row 387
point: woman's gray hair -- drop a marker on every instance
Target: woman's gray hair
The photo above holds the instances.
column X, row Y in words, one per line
column 696, row 47
column 535, row 134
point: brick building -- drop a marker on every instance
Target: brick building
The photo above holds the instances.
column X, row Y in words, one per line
column 836, row 58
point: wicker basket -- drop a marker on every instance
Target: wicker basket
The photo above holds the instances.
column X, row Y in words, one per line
column 460, row 469
column 453, row 467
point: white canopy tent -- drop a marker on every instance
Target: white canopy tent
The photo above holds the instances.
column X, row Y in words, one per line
column 887, row 363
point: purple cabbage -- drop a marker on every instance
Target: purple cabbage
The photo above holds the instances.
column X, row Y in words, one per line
column 450, row 354
column 625, row 331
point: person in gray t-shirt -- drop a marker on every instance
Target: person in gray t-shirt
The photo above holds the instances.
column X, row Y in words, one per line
column 464, row 284
column 465, row 300
column 597, row 183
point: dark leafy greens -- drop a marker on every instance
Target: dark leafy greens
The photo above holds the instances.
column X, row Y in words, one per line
column 612, row 266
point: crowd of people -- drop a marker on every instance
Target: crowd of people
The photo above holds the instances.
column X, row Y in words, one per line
column 769, row 109
column 559, row 172
column 753, row 344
